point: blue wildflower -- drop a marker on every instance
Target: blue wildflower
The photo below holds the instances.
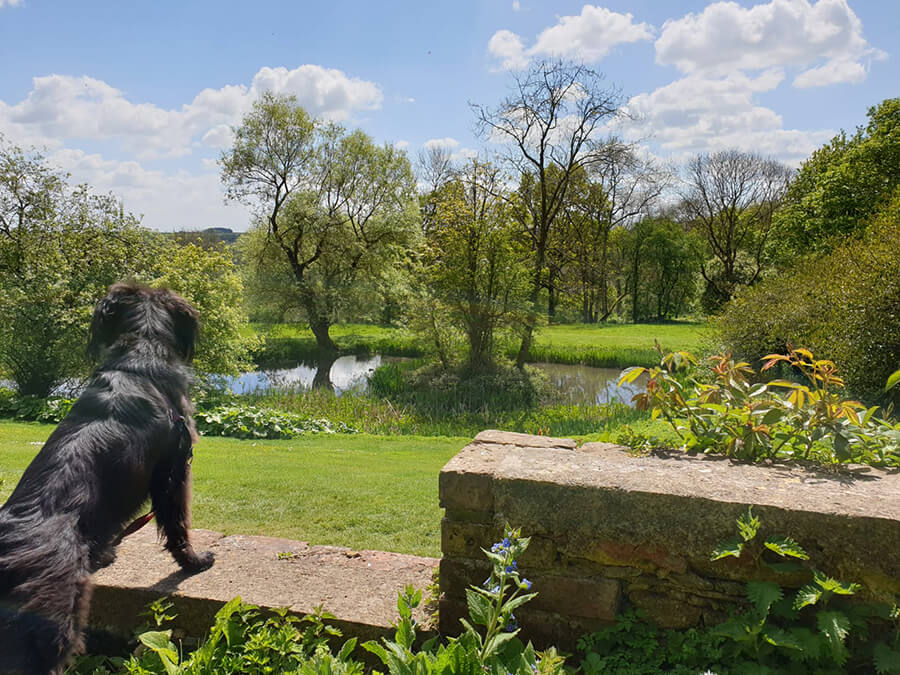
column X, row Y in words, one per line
column 512, row 567
column 512, row 624
column 525, row 585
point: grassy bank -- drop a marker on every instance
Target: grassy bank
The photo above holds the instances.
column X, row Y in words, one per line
column 361, row 491
column 602, row 345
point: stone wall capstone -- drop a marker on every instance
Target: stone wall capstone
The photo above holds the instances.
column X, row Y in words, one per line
column 610, row 530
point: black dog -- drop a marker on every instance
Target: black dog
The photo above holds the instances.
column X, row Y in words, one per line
column 127, row 437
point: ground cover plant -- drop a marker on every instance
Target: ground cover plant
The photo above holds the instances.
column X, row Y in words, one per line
column 356, row 490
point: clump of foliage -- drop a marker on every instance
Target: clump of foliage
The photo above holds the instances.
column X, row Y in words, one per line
column 240, row 421
column 844, row 306
column 818, row 628
column 738, row 416
column 243, row 639
column 33, row 408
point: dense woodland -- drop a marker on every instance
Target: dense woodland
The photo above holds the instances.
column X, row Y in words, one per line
column 560, row 222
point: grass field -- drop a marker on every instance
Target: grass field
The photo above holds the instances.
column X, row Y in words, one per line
column 361, row 491
column 603, row 345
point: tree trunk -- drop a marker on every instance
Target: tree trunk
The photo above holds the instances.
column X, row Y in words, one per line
column 531, row 320
column 322, row 378
column 320, row 325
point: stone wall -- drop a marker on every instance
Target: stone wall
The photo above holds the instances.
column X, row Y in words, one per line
column 610, row 530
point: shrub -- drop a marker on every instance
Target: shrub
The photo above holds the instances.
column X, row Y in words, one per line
column 740, row 417
column 844, row 306
column 34, row 408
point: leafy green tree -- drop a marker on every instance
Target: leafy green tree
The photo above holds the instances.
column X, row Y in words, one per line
column 662, row 261
column 840, row 186
column 844, row 306
column 206, row 277
column 474, row 261
column 335, row 206
column 60, row 248
column 550, row 125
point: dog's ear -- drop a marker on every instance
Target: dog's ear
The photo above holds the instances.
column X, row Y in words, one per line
column 186, row 324
column 107, row 317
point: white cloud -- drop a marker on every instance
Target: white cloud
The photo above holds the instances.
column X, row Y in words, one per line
column 726, row 37
column 167, row 201
column 516, row 5
column 401, row 144
column 440, row 143
column 464, row 154
column 10, row 3
column 833, row 72
column 507, row 47
column 702, row 114
column 62, row 107
column 586, row 37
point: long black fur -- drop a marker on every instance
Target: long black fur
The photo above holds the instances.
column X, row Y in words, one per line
column 127, row 438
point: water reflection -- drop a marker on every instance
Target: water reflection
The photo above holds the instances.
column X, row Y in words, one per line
column 576, row 384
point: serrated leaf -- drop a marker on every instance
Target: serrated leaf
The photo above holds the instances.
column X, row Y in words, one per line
column 808, row 595
column 835, row 626
column 886, row 659
column 733, row 547
column 786, row 547
column 479, row 607
column 748, row 525
column 832, row 585
column 762, row 594
column 781, row 638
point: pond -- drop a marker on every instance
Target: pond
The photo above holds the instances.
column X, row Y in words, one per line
column 576, row 384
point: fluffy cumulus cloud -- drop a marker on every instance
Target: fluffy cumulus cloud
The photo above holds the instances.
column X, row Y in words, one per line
column 166, row 201
column 586, row 37
column 10, row 3
column 62, row 113
column 826, row 36
column 62, row 107
column 700, row 114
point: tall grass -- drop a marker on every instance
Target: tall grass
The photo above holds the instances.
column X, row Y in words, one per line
column 428, row 417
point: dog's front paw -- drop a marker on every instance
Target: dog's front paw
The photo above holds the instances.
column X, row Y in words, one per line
column 194, row 563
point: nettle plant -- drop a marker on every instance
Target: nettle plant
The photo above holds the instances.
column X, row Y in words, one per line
column 818, row 626
column 739, row 416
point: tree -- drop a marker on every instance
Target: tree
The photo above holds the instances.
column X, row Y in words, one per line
column 841, row 186
column 730, row 196
column 611, row 194
column 206, row 277
column 550, row 120
column 473, row 260
column 61, row 247
column 337, row 207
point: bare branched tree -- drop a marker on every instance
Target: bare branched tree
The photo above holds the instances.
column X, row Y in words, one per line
column 731, row 196
column 434, row 166
column 551, row 126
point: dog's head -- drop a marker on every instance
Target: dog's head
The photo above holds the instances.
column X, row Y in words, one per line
column 132, row 311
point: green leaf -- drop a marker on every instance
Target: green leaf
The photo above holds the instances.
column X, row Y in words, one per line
column 786, row 547
column 832, row 585
column 762, row 594
column 892, row 380
column 887, row 660
column 808, row 595
column 748, row 525
column 733, row 547
column 497, row 641
column 835, row 626
column 479, row 607
column 629, row 375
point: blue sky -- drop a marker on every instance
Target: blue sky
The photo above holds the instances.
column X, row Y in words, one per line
column 138, row 98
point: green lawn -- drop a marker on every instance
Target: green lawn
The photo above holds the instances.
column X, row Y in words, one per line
column 615, row 345
column 361, row 491
column 604, row 345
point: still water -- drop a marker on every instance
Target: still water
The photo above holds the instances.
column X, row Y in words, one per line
column 576, row 384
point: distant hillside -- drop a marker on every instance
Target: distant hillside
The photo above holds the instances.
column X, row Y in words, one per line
column 209, row 237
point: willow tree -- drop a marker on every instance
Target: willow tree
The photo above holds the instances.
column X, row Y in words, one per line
column 336, row 207
column 551, row 122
